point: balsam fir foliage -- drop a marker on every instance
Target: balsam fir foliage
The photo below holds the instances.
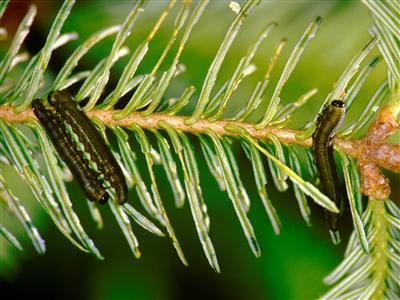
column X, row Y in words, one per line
column 371, row 266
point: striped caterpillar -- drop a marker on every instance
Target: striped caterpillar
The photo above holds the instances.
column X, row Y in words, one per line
column 72, row 114
column 327, row 124
column 62, row 141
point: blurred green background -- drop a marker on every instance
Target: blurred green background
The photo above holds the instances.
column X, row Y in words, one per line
column 293, row 264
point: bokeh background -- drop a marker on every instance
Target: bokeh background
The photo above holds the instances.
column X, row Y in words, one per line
column 293, row 264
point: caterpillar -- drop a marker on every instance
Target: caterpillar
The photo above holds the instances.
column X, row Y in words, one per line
column 62, row 141
column 327, row 123
column 72, row 114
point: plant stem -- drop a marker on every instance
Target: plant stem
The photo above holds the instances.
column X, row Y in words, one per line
column 380, row 223
column 285, row 135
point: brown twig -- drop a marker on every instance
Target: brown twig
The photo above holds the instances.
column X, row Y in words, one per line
column 373, row 153
column 370, row 152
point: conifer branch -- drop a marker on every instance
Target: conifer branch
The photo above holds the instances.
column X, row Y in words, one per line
column 373, row 252
column 384, row 155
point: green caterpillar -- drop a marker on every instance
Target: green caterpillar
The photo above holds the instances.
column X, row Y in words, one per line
column 328, row 122
column 62, row 141
column 72, row 114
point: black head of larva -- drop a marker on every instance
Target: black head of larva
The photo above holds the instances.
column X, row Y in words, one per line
column 104, row 198
column 35, row 105
column 38, row 109
column 337, row 103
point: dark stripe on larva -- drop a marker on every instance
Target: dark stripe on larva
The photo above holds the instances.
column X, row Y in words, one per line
column 328, row 122
column 94, row 144
column 70, row 154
